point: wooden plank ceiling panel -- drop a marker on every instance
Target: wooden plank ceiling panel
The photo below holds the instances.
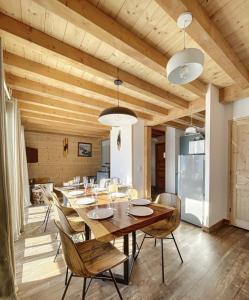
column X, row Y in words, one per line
column 208, row 36
column 75, row 84
column 136, row 54
column 93, row 64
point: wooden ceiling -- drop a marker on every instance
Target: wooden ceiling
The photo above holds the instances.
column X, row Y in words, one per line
column 61, row 58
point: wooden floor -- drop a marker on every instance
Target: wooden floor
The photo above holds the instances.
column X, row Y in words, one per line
column 215, row 266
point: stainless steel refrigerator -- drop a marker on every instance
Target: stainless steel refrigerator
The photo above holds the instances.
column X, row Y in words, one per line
column 191, row 187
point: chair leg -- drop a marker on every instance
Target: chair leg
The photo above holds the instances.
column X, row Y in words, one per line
column 116, row 286
column 66, row 276
column 49, row 209
column 89, row 285
column 45, row 215
column 177, row 247
column 162, row 260
column 84, row 289
column 65, row 291
column 57, row 252
column 155, row 243
column 140, row 247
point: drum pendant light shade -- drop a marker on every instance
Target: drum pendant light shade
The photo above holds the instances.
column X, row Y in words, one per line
column 185, row 66
column 117, row 116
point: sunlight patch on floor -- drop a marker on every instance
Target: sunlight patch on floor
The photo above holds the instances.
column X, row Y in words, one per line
column 42, row 249
column 39, row 269
column 39, row 240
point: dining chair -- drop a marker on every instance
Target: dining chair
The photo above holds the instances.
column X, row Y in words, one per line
column 73, row 226
column 48, row 202
column 89, row 259
column 162, row 229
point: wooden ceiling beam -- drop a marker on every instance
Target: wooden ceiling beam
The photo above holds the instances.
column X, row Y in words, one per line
column 86, row 16
column 54, row 124
column 188, row 120
column 16, row 81
column 89, row 114
column 40, row 69
column 59, row 105
column 233, row 93
column 175, row 125
column 36, row 111
column 195, row 107
column 91, row 64
column 204, row 32
column 28, row 114
column 38, row 129
column 44, row 128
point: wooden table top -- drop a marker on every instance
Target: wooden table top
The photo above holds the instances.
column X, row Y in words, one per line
column 121, row 223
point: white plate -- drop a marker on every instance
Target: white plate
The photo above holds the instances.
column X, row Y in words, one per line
column 99, row 189
column 140, row 202
column 100, row 213
column 76, row 193
column 64, row 188
column 85, row 201
column 118, row 195
column 141, row 211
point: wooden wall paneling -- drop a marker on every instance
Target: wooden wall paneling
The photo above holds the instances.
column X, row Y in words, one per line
column 52, row 163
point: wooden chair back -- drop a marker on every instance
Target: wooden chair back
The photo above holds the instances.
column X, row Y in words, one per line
column 45, row 196
column 172, row 200
column 64, row 221
column 71, row 255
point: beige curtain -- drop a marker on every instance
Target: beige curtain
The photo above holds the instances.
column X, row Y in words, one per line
column 7, row 260
column 15, row 150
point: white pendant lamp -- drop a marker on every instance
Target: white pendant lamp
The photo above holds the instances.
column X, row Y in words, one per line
column 117, row 116
column 186, row 65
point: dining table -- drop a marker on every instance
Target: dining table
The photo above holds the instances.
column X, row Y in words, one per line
column 120, row 224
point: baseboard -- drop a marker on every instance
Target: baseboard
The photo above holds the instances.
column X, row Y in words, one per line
column 216, row 226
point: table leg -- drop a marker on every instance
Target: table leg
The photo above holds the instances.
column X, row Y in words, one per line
column 87, row 232
column 127, row 262
column 134, row 243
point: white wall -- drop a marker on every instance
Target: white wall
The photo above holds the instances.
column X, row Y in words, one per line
column 121, row 160
column 216, row 171
column 240, row 108
column 105, row 151
column 138, row 157
column 172, row 140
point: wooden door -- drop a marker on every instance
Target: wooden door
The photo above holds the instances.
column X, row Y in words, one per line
column 240, row 174
column 160, row 166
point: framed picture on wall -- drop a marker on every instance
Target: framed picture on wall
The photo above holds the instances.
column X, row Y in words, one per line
column 84, row 149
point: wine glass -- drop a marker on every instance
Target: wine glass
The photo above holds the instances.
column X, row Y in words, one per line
column 129, row 196
column 85, row 183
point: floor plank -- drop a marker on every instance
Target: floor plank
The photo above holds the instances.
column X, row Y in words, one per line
column 216, row 266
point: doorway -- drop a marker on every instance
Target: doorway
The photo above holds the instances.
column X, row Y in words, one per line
column 160, row 167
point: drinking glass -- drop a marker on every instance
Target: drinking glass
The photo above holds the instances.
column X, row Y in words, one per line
column 129, row 196
column 85, row 183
